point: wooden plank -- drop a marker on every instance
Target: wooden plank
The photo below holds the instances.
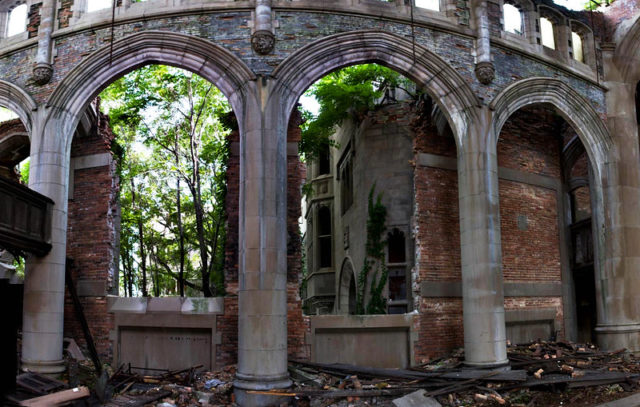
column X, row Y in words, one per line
column 340, row 368
column 56, row 399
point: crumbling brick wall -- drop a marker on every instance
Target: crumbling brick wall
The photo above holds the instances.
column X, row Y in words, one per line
column 91, row 238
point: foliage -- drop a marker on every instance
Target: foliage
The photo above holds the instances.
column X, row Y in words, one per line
column 374, row 259
column 348, row 92
column 173, row 152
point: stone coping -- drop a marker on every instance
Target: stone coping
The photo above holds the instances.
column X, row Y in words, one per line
column 182, row 305
column 361, row 321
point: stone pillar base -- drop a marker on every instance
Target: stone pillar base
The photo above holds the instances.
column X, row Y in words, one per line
column 38, row 366
column 618, row 336
column 244, row 384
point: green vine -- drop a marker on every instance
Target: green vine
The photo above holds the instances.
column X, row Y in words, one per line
column 374, row 259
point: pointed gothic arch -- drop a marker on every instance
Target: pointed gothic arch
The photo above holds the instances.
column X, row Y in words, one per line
column 444, row 84
column 98, row 70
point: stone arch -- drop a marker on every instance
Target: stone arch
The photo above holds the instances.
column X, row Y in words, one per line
column 87, row 79
column 16, row 99
column 596, row 140
column 346, row 279
column 574, row 108
column 443, row 83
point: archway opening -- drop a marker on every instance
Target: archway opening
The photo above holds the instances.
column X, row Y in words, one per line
column 169, row 131
column 357, row 143
column 547, row 244
column 148, row 172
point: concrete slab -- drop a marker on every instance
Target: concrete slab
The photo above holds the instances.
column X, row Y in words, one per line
column 631, row 401
column 416, row 399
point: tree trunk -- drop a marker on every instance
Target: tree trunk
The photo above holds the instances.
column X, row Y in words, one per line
column 143, row 259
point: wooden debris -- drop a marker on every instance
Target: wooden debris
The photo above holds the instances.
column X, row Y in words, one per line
column 38, row 384
column 538, row 373
column 58, row 398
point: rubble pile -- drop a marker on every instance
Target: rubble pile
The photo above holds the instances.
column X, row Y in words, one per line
column 539, row 374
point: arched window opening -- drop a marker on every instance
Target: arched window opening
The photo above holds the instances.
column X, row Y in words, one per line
column 546, row 33
column 324, row 237
column 17, row 22
column 428, row 4
column 352, row 296
column 578, row 51
column 512, row 19
column 96, row 5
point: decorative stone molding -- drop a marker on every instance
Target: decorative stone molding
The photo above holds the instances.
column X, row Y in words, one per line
column 42, row 73
column 263, row 42
column 485, row 72
column 452, row 93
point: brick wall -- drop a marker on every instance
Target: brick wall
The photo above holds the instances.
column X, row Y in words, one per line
column 91, row 238
column 437, row 240
column 65, row 13
column 531, row 142
column 33, row 19
column 528, row 143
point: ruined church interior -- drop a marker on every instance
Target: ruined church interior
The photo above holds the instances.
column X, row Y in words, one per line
column 274, row 202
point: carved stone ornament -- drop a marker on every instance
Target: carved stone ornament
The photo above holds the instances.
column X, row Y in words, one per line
column 485, row 72
column 263, row 42
column 42, row 73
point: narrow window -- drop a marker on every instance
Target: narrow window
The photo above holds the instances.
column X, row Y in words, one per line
column 95, row 5
column 578, row 53
column 324, row 236
column 512, row 19
column 346, row 186
column 17, row 20
column 324, row 161
column 546, row 33
column 396, row 259
column 428, row 4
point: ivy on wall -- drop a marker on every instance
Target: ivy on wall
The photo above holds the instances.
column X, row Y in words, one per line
column 374, row 262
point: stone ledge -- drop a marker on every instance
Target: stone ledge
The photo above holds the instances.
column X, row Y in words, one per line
column 441, row 289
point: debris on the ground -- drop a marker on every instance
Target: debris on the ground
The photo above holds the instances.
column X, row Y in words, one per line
column 416, row 399
column 539, row 374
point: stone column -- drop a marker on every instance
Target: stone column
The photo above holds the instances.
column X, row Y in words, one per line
column 43, row 310
column 43, row 69
column 262, row 294
column 482, row 285
column 484, row 70
column 619, row 278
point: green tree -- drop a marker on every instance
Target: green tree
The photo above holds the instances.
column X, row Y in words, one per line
column 349, row 92
column 174, row 152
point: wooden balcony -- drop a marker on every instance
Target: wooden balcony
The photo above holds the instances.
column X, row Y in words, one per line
column 25, row 219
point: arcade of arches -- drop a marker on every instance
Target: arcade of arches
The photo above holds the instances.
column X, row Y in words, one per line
column 513, row 185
